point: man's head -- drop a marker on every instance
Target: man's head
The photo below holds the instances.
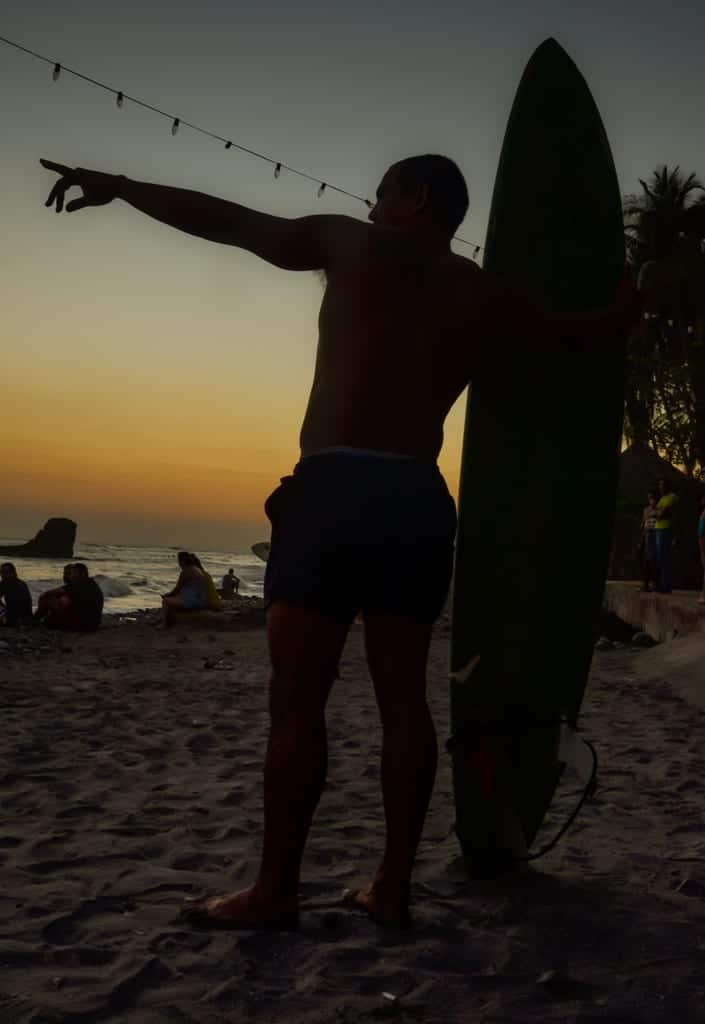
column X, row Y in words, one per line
column 231, row 572
column 8, row 571
column 184, row 559
column 422, row 192
column 79, row 571
column 664, row 486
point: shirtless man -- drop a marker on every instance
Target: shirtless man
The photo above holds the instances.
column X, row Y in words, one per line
column 365, row 524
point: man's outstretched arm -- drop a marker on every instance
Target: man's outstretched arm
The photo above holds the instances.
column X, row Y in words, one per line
column 302, row 243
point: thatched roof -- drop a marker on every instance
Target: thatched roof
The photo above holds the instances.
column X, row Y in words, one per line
column 640, row 467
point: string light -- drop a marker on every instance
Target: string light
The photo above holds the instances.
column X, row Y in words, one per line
column 176, row 123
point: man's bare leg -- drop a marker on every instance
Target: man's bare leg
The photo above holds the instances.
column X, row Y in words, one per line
column 397, row 654
column 305, row 648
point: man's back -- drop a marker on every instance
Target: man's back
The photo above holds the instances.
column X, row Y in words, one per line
column 397, row 328
column 17, row 598
column 87, row 601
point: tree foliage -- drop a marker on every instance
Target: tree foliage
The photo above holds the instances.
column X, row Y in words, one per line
column 665, row 399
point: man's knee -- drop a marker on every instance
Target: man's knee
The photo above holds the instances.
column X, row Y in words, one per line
column 401, row 706
column 298, row 700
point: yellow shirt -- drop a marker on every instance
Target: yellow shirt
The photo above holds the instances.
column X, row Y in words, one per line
column 212, row 596
column 667, row 501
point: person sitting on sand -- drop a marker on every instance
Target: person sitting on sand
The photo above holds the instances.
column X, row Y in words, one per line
column 78, row 605
column 189, row 594
column 403, row 325
column 231, row 584
column 213, row 600
column 15, row 598
column 86, row 598
column 45, row 599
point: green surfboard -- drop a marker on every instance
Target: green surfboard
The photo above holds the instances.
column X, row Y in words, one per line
column 539, row 472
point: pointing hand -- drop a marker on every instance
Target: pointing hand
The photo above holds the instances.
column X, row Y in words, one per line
column 98, row 188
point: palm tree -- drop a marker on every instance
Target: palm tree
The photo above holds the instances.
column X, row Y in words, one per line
column 657, row 221
column 665, row 401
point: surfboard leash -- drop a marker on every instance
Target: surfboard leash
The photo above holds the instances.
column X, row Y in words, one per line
column 460, row 739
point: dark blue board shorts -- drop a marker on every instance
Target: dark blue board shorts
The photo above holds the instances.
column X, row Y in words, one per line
column 356, row 531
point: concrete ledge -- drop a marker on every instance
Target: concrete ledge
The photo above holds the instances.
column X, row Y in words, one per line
column 664, row 616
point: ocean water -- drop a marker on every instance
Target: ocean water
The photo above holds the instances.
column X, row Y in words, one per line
column 132, row 578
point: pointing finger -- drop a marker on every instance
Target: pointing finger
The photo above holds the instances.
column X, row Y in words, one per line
column 58, row 168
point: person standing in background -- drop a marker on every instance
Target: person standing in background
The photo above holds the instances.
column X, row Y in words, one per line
column 664, row 537
column 649, row 555
column 701, row 542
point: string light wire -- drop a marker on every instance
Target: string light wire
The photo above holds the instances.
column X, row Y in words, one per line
column 177, row 122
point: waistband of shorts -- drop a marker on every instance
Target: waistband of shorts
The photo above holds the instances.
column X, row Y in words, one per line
column 364, row 453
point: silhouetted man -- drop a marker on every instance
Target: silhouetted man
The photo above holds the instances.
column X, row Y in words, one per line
column 365, row 523
column 231, row 584
column 16, row 600
column 86, row 600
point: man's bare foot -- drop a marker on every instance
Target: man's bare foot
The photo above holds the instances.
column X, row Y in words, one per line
column 246, row 909
column 383, row 910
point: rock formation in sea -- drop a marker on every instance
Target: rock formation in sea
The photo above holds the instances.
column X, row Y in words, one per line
column 55, row 540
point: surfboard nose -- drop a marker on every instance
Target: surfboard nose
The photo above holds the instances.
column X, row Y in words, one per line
column 551, row 49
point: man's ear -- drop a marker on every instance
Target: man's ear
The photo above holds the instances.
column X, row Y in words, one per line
column 422, row 198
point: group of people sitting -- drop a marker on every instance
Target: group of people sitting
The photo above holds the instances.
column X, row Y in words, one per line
column 76, row 605
column 195, row 589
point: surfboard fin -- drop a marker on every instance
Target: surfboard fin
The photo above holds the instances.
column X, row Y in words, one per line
column 462, row 676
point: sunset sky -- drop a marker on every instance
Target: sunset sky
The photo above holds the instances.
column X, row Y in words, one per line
column 153, row 384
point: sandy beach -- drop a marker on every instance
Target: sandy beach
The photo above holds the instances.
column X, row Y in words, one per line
column 130, row 779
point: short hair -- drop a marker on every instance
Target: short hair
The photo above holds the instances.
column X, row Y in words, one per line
column 8, row 567
column 447, row 189
column 80, row 568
